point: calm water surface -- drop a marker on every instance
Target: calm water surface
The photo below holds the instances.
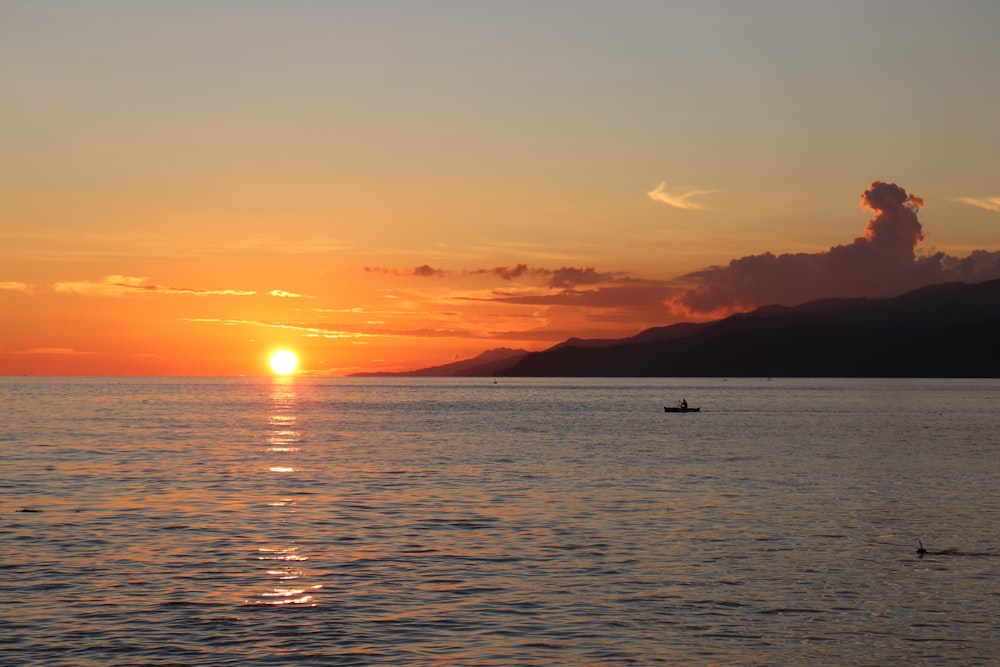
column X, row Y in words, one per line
column 180, row 521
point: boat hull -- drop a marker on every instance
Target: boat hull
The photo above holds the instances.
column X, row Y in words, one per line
column 668, row 409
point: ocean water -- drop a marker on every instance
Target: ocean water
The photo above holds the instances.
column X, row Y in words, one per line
column 308, row 521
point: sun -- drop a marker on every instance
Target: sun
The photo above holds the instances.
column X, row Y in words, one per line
column 284, row 362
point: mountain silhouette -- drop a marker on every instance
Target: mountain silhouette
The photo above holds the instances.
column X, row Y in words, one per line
column 945, row 330
column 484, row 365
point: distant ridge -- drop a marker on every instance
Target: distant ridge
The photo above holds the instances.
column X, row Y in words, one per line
column 946, row 330
column 483, row 365
column 654, row 335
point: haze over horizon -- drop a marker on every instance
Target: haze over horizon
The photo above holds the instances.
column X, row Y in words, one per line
column 381, row 187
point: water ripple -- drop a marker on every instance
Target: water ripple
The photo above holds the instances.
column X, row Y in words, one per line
column 251, row 522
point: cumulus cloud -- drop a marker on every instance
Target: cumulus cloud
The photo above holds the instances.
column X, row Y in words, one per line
column 881, row 262
column 678, row 198
column 885, row 259
column 116, row 285
column 988, row 203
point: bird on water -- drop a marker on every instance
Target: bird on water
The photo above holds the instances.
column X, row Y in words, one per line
column 921, row 551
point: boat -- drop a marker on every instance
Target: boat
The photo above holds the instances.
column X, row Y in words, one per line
column 677, row 408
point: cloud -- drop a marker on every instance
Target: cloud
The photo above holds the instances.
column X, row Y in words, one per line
column 636, row 295
column 988, row 203
column 337, row 330
column 61, row 351
column 570, row 276
column 422, row 271
column 678, row 199
column 881, row 262
column 289, row 295
column 885, row 259
column 13, row 286
column 314, row 330
column 110, row 286
column 507, row 272
column 563, row 277
column 116, row 285
column 566, row 276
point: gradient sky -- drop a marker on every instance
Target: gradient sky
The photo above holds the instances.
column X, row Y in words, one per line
column 389, row 185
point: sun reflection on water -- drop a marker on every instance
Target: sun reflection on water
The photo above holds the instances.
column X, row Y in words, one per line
column 279, row 592
column 282, row 565
column 287, row 554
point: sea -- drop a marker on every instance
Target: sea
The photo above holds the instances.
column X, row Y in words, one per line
column 472, row 521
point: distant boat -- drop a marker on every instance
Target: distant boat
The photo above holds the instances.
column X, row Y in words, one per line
column 678, row 408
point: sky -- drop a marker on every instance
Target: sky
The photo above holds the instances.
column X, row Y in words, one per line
column 186, row 186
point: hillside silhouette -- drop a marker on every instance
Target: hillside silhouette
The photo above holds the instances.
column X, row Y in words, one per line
column 486, row 364
column 946, row 330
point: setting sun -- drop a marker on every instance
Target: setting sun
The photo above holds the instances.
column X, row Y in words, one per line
column 283, row 362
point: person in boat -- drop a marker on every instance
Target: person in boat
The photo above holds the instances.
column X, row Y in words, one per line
column 684, row 404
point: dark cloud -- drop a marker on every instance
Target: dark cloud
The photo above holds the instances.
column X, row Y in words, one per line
column 883, row 261
column 564, row 277
column 422, row 271
column 426, row 271
column 569, row 276
column 507, row 272
column 894, row 227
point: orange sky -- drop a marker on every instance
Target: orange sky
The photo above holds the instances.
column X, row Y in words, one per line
column 186, row 188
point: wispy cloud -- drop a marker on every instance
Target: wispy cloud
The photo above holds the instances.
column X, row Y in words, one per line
column 679, row 198
column 13, row 286
column 316, row 330
column 566, row 276
column 289, row 295
column 116, row 285
column 60, row 351
column 570, row 276
column 422, row 271
column 641, row 294
column 988, row 203
column 507, row 272
column 375, row 329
